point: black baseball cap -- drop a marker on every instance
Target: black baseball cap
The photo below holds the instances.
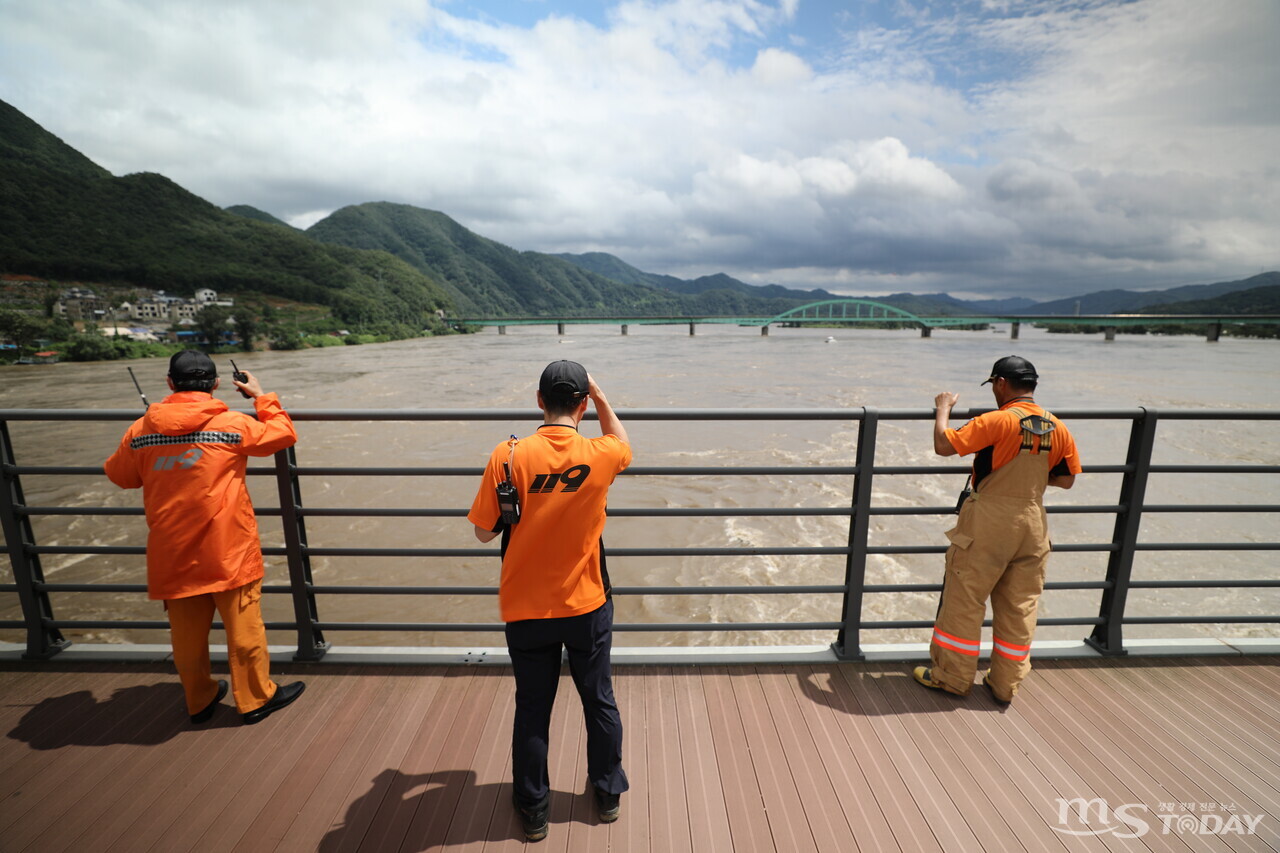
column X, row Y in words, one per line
column 192, row 364
column 1013, row 367
column 564, row 382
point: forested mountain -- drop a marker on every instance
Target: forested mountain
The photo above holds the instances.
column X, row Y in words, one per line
column 66, row 218
column 63, row 217
column 486, row 278
column 1255, row 300
column 617, row 269
column 1132, row 301
column 253, row 213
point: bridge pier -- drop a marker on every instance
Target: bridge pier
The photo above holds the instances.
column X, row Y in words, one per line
column 1013, row 331
column 502, row 330
column 764, row 330
column 926, row 331
column 1213, row 332
column 691, row 330
column 1110, row 333
column 624, row 328
column 560, row 329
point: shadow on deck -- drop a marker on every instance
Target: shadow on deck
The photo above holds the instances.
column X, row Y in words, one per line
column 836, row 757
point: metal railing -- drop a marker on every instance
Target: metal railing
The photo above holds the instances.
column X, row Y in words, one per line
column 43, row 627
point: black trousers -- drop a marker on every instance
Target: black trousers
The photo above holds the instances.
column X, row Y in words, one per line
column 535, row 647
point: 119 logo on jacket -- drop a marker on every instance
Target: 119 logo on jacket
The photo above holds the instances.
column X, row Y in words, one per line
column 572, row 478
column 182, row 460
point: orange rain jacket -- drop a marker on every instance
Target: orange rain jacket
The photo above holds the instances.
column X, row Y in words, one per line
column 188, row 454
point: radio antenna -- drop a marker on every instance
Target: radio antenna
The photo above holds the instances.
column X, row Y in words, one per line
column 145, row 404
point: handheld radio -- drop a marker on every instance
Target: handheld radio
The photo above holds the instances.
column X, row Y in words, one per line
column 240, row 376
column 508, row 496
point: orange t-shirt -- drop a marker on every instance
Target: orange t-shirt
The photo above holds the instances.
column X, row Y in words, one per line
column 997, row 438
column 551, row 562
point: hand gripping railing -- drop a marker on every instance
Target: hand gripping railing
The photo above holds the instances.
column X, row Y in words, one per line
column 43, row 629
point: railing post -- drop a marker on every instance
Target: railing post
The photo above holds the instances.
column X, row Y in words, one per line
column 848, row 642
column 43, row 641
column 311, row 642
column 1108, row 637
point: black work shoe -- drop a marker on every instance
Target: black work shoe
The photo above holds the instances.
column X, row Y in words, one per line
column 532, row 821
column 284, row 697
column 986, row 682
column 608, row 806
column 203, row 716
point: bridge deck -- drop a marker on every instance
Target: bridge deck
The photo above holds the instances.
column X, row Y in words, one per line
column 731, row 758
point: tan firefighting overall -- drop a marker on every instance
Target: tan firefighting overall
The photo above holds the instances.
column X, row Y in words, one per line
column 999, row 548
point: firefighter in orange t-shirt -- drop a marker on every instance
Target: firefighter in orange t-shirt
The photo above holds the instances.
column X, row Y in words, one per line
column 554, row 589
column 1000, row 544
column 188, row 455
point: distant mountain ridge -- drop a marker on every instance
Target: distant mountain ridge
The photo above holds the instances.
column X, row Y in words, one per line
column 64, row 217
column 486, row 278
column 1133, row 301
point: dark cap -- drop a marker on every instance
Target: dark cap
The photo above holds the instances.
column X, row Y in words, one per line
column 192, row 364
column 563, row 382
column 1013, row 367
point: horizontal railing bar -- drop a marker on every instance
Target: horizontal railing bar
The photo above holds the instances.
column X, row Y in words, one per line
column 929, row 623
column 1203, row 584
column 668, row 627
column 1200, row 620
column 667, row 470
column 660, row 512
column 815, row 589
column 785, row 414
column 791, row 551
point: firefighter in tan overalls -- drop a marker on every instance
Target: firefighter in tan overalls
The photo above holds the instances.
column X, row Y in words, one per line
column 1000, row 543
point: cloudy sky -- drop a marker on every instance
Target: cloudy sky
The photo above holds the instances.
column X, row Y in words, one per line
column 981, row 147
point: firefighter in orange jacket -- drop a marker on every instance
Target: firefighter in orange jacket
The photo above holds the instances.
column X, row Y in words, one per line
column 188, row 455
column 1000, row 543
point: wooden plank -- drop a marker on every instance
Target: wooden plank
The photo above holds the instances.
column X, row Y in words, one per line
column 744, row 801
column 848, row 683
column 819, row 803
column 409, row 781
column 1088, row 749
column 488, row 816
column 110, row 733
column 1032, row 769
column 379, row 777
column 669, row 823
column 280, row 808
column 942, row 818
column 812, row 691
column 453, row 778
column 421, row 760
column 996, row 812
column 631, row 830
column 1180, row 742
column 309, row 823
column 259, row 762
column 707, row 814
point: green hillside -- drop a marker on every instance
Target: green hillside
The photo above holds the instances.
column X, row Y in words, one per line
column 484, row 277
column 250, row 212
column 1255, row 300
column 1134, row 301
column 62, row 217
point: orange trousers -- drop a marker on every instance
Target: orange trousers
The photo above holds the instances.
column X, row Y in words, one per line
column 190, row 620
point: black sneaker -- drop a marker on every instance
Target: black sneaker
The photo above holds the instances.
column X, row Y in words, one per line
column 608, row 805
column 532, row 821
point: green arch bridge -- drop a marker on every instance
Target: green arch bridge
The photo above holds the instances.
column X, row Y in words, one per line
column 866, row 311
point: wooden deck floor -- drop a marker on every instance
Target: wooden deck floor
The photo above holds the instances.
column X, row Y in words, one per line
column 850, row 757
